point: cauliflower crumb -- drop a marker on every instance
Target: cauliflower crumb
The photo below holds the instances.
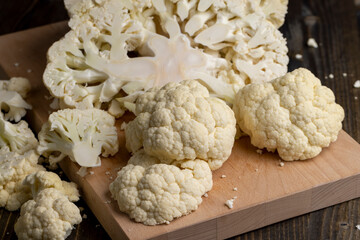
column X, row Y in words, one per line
column 107, row 173
column 312, row 43
column 97, row 225
column 223, row 176
column 259, row 151
column 357, row 84
column 331, row 76
column 48, row 97
column 84, row 216
column 123, row 126
column 235, row 189
column 81, row 209
column 107, row 202
column 298, row 56
column 230, row 203
column 206, row 195
column 355, row 97
column 281, row 164
column 16, row 64
column 55, row 104
column 29, row 70
column 358, row 227
column 91, row 172
column 256, row 170
column 111, row 178
column 344, row 74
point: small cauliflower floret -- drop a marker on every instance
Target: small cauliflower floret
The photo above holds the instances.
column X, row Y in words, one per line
column 159, row 193
column 12, row 105
column 42, row 179
column 181, row 121
column 293, row 114
column 80, row 134
column 13, row 169
column 17, row 137
column 17, row 84
column 50, row 216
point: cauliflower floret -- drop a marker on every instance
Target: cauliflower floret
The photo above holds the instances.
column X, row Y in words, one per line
column 17, row 137
column 50, row 216
column 160, row 193
column 223, row 44
column 42, row 179
column 80, row 134
column 181, row 121
column 293, row 114
column 13, row 169
column 13, row 105
column 17, row 84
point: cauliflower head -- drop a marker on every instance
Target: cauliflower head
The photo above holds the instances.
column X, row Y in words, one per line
column 41, row 180
column 13, row 169
column 222, row 43
column 50, row 216
column 159, row 193
column 181, row 121
column 293, row 114
column 17, row 137
column 80, row 134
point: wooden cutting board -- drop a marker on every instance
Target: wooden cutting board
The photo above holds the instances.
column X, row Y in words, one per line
column 266, row 193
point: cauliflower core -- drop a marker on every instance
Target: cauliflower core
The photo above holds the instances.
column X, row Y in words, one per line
column 181, row 121
column 17, row 137
column 159, row 193
column 293, row 114
column 120, row 48
column 80, row 134
column 50, row 216
column 13, row 169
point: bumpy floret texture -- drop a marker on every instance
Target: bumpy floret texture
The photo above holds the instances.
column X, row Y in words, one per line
column 41, row 180
column 80, row 134
column 17, row 137
column 159, row 193
column 13, row 169
column 17, row 84
column 294, row 115
column 223, row 44
column 50, row 216
column 181, row 121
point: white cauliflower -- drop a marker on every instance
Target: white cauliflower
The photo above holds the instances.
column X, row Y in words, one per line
column 17, row 137
column 80, row 134
column 50, row 216
column 293, row 114
column 17, row 84
column 13, row 169
column 210, row 41
column 159, row 193
column 181, row 121
column 41, row 180
column 12, row 106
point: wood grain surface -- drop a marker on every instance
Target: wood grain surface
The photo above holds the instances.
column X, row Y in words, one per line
column 335, row 26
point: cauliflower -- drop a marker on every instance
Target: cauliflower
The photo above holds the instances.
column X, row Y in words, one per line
column 50, row 216
column 181, row 121
column 80, row 134
column 42, row 179
column 159, row 193
column 13, row 105
column 209, row 41
column 13, row 169
column 17, row 137
column 17, row 84
column 293, row 114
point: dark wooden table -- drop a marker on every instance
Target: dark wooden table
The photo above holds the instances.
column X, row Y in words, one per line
column 335, row 24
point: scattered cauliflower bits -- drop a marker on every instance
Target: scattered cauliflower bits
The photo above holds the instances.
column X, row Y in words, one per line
column 80, row 134
column 12, row 93
column 13, row 169
column 160, row 193
column 42, row 179
column 17, row 137
column 111, row 40
column 181, row 121
column 50, row 216
column 293, row 114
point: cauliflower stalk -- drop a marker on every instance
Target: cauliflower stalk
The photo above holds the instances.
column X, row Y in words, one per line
column 293, row 114
column 220, row 45
column 13, row 169
column 17, row 137
column 80, row 134
column 41, row 180
column 158, row 193
column 181, row 121
column 50, row 216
